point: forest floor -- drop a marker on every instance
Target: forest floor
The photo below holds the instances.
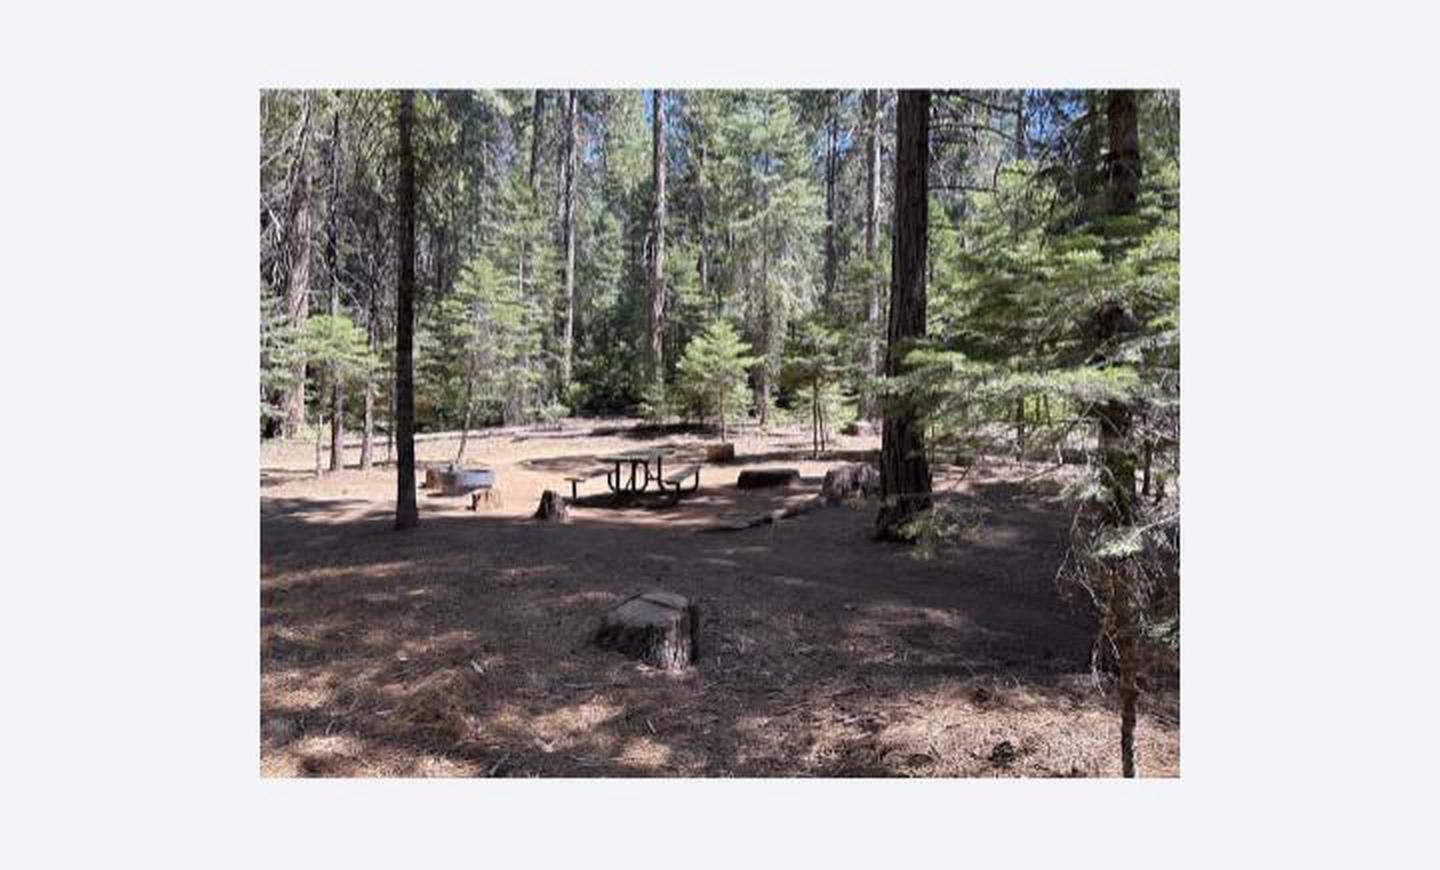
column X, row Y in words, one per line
column 460, row 648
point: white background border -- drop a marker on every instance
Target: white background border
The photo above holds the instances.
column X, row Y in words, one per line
column 131, row 640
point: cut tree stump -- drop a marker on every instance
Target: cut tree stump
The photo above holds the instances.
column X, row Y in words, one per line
column 553, row 508
column 659, row 628
column 720, row 453
column 757, row 478
column 850, row 481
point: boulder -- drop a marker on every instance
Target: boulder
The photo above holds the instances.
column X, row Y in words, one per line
column 850, row 481
column 553, row 508
column 757, row 478
column 659, row 628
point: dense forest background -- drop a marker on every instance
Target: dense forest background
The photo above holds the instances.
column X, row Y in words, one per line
column 571, row 246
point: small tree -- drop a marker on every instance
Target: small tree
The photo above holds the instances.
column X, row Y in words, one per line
column 815, row 367
column 713, row 372
column 339, row 351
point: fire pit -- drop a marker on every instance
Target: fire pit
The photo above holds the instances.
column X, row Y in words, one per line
column 460, row 481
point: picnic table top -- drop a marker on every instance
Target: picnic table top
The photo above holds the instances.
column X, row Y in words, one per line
column 633, row 456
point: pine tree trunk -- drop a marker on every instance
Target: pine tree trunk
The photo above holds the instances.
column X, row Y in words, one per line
column 831, row 158
column 656, row 324
column 406, row 512
column 1020, row 427
column 1022, row 128
column 367, row 440
column 465, row 426
column 904, row 472
column 571, row 120
column 814, row 421
column 337, row 388
column 1124, row 156
column 870, row 407
column 1149, row 461
column 1116, row 425
column 537, row 128
column 367, row 458
column 297, row 295
column 703, row 264
column 1127, row 660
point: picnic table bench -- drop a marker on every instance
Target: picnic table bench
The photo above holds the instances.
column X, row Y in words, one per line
column 576, row 480
column 677, row 479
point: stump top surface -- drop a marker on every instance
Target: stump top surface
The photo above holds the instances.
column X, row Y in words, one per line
column 652, row 608
column 667, row 599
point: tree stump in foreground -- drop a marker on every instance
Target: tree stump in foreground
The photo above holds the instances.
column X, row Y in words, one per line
column 850, row 481
column 658, row 628
column 553, row 508
column 756, row 478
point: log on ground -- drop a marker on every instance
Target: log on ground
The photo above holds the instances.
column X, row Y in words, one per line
column 757, row 478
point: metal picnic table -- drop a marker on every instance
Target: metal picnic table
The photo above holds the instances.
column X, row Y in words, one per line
column 635, row 459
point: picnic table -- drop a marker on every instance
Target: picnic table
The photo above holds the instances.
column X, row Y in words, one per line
column 636, row 459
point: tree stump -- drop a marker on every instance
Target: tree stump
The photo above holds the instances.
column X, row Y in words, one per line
column 757, row 478
column 659, row 628
column 720, row 452
column 861, row 428
column 553, row 508
column 850, row 481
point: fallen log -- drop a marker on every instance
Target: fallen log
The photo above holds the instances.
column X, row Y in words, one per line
column 755, row 478
column 749, row 522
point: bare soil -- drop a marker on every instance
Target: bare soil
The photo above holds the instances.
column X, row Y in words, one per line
column 460, row 648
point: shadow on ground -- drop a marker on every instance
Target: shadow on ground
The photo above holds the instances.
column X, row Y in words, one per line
column 460, row 647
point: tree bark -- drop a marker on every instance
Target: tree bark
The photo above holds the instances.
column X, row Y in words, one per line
column 702, row 265
column 566, row 358
column 1022, row 128
column 831, row 158
column 537, row 127
column 1116, row 426
column 870, row 407
column 904, row 471
column 656, row 323
column 1124, row 157
column 337, row 388
column 367, row 440
column 406, row 513
column 297, row 296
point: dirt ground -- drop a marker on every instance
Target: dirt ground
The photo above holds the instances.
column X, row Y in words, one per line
column 459, row 648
